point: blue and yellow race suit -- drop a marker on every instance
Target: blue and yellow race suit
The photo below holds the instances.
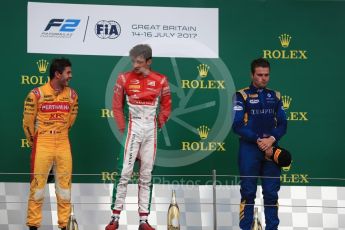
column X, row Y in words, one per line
column 258, row 113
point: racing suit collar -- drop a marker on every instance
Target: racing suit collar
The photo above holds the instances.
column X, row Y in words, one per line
column 140, row 75
column 52, row 90
column 254, row 89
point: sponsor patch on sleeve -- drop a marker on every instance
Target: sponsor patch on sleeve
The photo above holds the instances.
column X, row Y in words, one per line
column 238, row 108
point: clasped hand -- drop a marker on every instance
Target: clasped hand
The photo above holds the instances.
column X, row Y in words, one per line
column 265, row 145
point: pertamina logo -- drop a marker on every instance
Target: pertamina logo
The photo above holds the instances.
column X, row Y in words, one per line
column 293, row 178
column 200, row 83
column 37, row 79
column 293, row 116
column 203, row 145
column 107, row 29
column 60, row 28
column 55, row 107
column 285, row 53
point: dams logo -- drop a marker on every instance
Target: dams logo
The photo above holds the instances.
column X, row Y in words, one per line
column 203, row 145
column 203, row 71
column 285, row 53
column 293, row 116
column 37, row 79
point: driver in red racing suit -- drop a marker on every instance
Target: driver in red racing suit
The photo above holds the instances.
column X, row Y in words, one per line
column 141, row 91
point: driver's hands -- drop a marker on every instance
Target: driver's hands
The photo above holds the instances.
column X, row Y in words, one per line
column 265, row 143
column 269, row 153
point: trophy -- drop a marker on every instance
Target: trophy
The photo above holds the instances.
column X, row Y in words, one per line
column 256, row 225
column 173, row 214
column 72, row 221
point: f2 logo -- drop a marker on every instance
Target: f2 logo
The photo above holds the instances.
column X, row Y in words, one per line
column 68, row 25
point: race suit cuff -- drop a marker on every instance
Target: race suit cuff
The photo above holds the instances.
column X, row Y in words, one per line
column 274, row 139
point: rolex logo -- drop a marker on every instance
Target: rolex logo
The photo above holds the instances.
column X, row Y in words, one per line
column 285, row 40
column 286, row 102
column 291, row 115
column 203, row 70
column 203, row 84
column 293, row 178
column 203, row 131
column 287, row 168
column 284, row 53
column 42, row 65
column 201, row 146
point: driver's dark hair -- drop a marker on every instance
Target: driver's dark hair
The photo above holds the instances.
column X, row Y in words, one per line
column 58, row 64
column 260, row 62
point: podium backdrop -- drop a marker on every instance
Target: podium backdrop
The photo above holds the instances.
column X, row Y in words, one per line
column 303, row 40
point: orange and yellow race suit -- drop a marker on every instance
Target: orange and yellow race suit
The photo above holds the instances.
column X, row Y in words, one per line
column 48, row 116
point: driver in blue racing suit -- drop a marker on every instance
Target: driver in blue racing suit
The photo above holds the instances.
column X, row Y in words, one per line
column 260, row 121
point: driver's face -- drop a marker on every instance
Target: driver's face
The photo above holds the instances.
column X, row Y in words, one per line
column 261, row 77
column 66, row 76
column 140, row 64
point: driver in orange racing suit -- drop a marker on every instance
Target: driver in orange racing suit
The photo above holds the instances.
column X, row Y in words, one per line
column 49, row 113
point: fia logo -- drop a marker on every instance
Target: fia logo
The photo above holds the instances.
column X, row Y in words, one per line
column 107, row 29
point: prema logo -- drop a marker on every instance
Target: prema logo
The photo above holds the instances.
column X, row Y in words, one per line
column 60, row 28
column 107, row 29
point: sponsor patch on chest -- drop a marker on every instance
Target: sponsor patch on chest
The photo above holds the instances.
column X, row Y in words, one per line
column 254, row 101
column 55, row 107
column 151, row 83
column 134, row 86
